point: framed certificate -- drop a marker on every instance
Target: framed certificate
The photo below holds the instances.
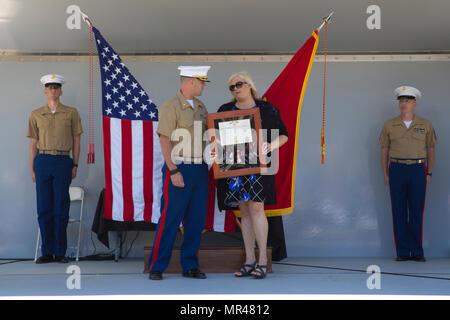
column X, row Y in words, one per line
column 236, row 137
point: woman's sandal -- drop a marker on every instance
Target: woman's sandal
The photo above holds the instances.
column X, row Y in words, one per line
column 246, row 270
column 259, row 272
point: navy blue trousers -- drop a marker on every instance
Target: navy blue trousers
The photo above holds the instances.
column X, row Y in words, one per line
column 185, row 205
column 408, row 188
column 53, row 177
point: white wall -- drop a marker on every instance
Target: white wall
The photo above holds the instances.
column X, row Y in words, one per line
column 341, row 208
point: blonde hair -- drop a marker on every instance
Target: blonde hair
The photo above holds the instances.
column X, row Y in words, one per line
column 244, row 75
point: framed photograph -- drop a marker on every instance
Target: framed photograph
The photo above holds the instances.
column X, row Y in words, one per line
column 236, row 137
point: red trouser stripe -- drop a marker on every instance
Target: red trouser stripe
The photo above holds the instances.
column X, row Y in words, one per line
column 163, row 219
column 424, row 198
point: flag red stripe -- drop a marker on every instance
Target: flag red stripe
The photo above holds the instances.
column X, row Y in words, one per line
column 148, row 169
column 127, row 174
column 162, row 219
column 107, row 207
column 230, row 221
column 211, row 201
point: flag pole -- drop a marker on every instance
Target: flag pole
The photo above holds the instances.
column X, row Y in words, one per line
column 322, row 138
column 91, row 147
column 86, row 18
column 325, row 20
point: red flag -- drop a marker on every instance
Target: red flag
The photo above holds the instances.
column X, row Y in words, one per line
column 286, row 93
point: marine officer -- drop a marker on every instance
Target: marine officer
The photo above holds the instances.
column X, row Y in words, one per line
column 182, row 119
column 54, row 131
column 409, row 142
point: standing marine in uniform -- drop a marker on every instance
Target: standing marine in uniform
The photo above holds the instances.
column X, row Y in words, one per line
column 409, row 141
column 185, row 175
column 54, row 131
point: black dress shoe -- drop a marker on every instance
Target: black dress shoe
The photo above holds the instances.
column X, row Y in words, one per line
column 61, row 259
column 45, row 259
column 194, row 273
column 155, row 275
column 419, row 258
column 402, row 258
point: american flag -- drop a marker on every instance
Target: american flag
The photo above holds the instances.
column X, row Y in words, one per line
column 133, row 157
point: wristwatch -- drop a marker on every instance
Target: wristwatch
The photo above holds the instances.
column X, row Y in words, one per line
column 172, row 172
column 75, row 165
column 429, row 174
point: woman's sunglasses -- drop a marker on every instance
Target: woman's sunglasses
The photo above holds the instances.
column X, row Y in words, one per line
column 237, row 85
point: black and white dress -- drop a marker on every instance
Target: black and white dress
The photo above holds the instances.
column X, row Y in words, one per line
column 255, row 187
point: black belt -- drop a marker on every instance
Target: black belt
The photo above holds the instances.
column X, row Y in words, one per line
column 408, row 161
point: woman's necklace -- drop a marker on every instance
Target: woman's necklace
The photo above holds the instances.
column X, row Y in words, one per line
column 246, row 105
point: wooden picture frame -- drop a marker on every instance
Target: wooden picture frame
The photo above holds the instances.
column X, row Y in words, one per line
column 230, row 138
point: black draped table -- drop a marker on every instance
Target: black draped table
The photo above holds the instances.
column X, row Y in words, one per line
column 102, row 226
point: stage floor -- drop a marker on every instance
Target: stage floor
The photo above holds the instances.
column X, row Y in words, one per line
column 292, row 278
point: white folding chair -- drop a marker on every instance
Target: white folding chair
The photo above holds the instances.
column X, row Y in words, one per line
column 76, row 194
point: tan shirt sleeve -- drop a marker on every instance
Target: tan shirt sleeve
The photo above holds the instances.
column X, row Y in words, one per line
column 383, row 141
column 167, row 121
column 33, row 131
column 431, row 139
column 77, row 129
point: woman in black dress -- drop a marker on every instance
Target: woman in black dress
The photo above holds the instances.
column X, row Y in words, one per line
column 250, row 193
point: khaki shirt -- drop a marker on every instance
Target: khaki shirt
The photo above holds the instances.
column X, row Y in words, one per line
column 54, row 131
column 404, row 143
column 177, row 113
